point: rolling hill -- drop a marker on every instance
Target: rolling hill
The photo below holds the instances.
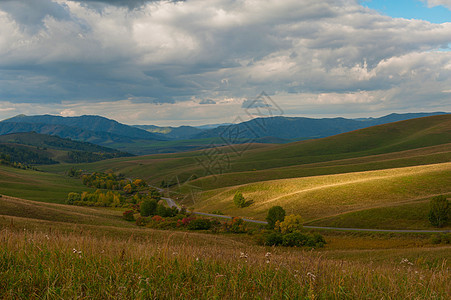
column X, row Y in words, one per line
column 406, row 143
column 33, row 148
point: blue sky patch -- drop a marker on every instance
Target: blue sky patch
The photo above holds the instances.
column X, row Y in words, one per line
column 410, row 9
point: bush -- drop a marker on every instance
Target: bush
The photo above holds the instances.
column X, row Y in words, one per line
column 72, row 197
column 239, row 200
column 290, row 224
column 199, row 224
column 140, row 221
column 236, row 225
column 275, row 213
column 129, row 215
column 439, row 211
column 148, row 207
column 273, row 239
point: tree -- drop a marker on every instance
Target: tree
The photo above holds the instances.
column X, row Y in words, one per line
column 291, row 224
column 72, row 197
column 239, row 200
column 439, row 211
column 275, row 213
column 148, row 207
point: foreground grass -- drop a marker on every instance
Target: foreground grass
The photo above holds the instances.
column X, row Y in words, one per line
column 71, row 265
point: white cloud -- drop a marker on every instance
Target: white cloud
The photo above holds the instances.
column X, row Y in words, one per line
column 432, row 3
column 335, row 53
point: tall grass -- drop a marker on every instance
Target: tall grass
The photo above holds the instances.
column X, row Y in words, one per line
column 56, row 265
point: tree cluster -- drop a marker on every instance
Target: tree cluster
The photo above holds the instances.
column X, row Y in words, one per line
column 288, row 231
column 98, row 198
column 109, row 181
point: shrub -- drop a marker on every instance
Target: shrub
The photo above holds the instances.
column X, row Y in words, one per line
column 236, row 225
column 275, row 213
column 148, row 207
column 239, row 200
column 294, row 239
column 291, row 223
column 128, row 215
column 166, row 211
column 72, row 197
column 140, row 221
column 273, row 239
column 439, row 211
column 199, row 224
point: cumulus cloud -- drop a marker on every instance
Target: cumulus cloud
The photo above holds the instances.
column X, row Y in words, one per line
column 325, row 52
column 432, row 3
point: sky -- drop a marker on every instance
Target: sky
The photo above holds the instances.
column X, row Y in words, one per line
column 204, row 62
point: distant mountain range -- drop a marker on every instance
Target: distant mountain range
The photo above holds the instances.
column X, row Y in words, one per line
column 146, row 139
column 299, row 128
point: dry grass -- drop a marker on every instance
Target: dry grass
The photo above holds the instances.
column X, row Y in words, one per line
column 322, row 196
column 69, row 265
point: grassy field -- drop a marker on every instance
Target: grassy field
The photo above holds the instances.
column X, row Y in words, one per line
column 40, row 186
column 325, row 196
column 410, row 215
column 27, row 209
column 407, row 143
column 53, row 264
column 380, row 177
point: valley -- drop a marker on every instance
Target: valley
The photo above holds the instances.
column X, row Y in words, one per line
column 377, row 178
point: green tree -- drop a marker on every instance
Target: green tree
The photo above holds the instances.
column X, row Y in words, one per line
column 291, row 224
column 439, row 211
column 148, row 207
column 72, row 197
column 275, row 213
column 239, row 200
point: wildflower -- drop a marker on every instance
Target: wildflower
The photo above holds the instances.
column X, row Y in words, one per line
column 47, row 237
column 406, row 261
column 74, row 250
column 311, row 276
column 268, row 257
column 243, row 255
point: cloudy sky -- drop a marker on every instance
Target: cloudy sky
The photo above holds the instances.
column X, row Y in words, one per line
column 199, row 62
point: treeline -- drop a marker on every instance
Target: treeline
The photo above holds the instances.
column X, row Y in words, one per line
column 109, row 181
column 98, row 198
column 87, row 157
column 24, row 155
column 122, row 192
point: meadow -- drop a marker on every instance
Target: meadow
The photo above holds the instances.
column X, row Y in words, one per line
column 40, row 259
column 40, row 186
column 319, row 197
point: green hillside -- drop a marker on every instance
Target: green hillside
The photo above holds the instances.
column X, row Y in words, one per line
column 39, row 186
column 32, row 148
column 406, row 143
column 320, row 197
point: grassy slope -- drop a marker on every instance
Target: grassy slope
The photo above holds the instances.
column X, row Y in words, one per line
column 406, row 143
column 411, row 215
column 323, row 196
column 34, row 210
column 38, row 186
